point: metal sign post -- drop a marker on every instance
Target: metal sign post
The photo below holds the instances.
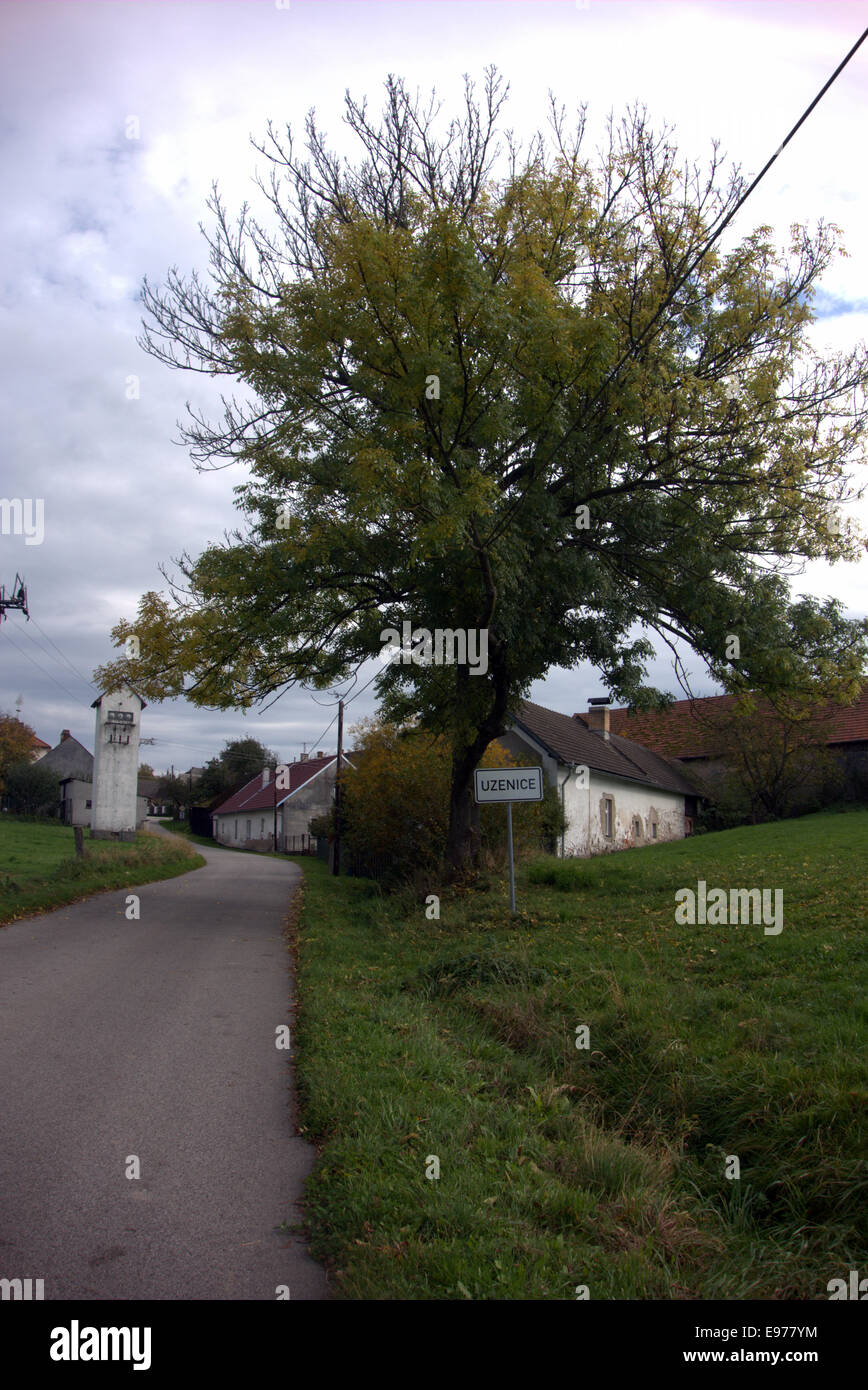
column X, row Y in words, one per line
column 509, row 785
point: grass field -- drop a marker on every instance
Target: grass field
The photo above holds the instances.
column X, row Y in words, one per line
column 39, row 869
column 602, row 1167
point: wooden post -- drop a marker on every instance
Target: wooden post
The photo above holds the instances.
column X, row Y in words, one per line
column 336, row 868
column 78, row 834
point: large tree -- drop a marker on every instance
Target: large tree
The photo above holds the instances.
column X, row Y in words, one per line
column 506, row 390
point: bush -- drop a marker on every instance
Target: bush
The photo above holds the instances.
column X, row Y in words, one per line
column 395, row 805
column 32, row 790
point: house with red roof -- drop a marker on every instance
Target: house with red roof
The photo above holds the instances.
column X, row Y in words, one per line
column 615, row 792
column 293, row 797
column 695, row 733
column 38, row 748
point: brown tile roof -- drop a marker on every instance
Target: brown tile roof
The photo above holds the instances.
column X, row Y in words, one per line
column 687, row 728
column 571, row 741
column 253, row 796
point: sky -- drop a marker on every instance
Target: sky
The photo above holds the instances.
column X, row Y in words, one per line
column 115, row 120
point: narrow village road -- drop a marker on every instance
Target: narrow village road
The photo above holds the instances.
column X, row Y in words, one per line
column 154, row 1039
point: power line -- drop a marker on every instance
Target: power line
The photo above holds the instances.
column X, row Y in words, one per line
column 726, row 221
column 75, row 698
column 363, row 689
column 86, row 679
column 45, row 652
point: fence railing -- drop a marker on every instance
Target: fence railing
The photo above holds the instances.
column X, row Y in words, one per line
column 364, row 865
column 299, row 844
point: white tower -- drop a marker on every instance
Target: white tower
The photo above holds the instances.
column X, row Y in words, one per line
column 116, row 764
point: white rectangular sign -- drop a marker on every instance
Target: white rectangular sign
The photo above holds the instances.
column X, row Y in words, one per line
column 508, row 784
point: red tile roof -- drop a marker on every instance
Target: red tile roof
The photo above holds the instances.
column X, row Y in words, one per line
column 253, row 796
column 687, row 728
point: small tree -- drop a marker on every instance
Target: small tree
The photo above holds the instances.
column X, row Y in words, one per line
column 395, row 803
column 16, row 744
column 241, row 759
column 31, row 789
column 775, row 754
column 176, row 790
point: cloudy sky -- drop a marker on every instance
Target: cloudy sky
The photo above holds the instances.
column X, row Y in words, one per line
column 115, row 119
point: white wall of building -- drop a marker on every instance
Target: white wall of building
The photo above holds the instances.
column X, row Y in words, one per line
column 635, row 811
column 583, row 803
column 77, row 799
column 116, row 765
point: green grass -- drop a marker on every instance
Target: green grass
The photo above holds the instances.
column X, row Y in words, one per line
column 602, row 1166
column 39, row 869
column 182, row 827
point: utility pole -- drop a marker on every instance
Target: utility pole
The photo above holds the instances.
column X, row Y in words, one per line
column 337, row 856
column 274, row 798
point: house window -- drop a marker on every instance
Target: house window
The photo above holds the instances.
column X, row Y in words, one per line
column 608, row 816
column 637, row 828
column 236, row 830
column 262, row 825
column 87, row 805
column 247, row 836
column 653, row 830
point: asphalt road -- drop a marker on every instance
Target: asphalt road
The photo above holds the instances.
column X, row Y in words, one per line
column 155, row 1039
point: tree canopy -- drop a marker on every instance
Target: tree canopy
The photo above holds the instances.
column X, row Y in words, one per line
column 32, row 789
column 241, row 759
column 17, row 741
column 508, row 391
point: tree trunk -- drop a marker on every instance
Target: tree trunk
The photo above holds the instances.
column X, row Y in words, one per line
column 462, row 844
column 462, row 841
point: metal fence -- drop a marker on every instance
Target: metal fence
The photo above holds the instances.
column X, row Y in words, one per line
column 299, row 844
column 364, row 865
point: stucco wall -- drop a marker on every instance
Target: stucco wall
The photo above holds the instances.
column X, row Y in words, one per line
column 293, row 817
column 77, row 794
column 116, row 767
column 583, row 805
column 313, row 799
column 631, row 801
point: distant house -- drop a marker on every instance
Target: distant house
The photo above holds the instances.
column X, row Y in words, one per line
column 73, row 764
column 614, row 792
column 38, row 748
column 246, row 819
column 148, row 789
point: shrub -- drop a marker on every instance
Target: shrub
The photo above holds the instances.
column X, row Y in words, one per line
column 32, row 790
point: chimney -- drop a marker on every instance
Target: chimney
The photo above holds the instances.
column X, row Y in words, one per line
column 64, row 734
column 598, row 715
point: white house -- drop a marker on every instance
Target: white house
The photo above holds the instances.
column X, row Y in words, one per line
column 615, row 793
column 304, row 790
